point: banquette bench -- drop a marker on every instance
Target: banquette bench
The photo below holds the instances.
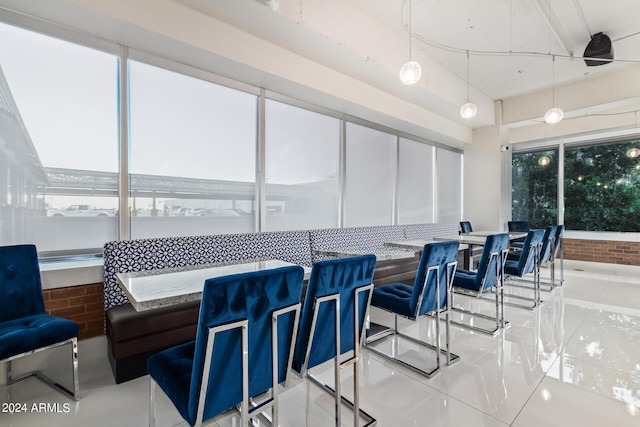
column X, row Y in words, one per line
column 134, row 336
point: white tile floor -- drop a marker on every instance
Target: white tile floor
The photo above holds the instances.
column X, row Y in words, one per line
column 573, row 361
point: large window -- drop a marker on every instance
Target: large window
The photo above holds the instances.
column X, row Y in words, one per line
column 602, row 187
column 370, row 170
column 192, row 156
column 535, row 188
column 58, row 143
column 415, row 186
column 449, row 167
column 302, row 160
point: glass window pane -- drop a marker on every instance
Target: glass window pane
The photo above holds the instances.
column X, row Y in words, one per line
column 534, row 180
column 449, row 167
column 415, row 195
column 58, row 143
column 302, row 159
column 193, row 149
column 370, row 170
column 602, row 187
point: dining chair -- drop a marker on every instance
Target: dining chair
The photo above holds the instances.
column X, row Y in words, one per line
column 335, row 308
column 547, row 253
column 430, row 294
column 526, row 262
column 465, row 227
column 243, row 348
column 518, row 225
column 489, row 277
column 25, row 327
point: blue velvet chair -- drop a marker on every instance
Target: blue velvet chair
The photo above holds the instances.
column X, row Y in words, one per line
column 488, row 277
column 246, row 322
column 465, row 227
column 547, row 253
column 518, row 226
column 527, row 261
column 430, row 294
column 335, row 308
column 25, row 328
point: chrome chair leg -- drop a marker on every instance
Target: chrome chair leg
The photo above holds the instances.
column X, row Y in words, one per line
column 152, row 402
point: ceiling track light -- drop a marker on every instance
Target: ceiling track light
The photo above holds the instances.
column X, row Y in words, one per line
column 555, row 114
column 411, row 71
column 468, row 110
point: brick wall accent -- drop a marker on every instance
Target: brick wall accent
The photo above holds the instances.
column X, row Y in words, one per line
column 608, row 251
column 82, row 304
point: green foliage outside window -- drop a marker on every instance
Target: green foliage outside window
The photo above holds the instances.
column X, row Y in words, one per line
column 535, row 188
column 602, row 187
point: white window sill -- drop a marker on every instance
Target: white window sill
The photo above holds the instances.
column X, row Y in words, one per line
column 62, row 274
column 602, row 235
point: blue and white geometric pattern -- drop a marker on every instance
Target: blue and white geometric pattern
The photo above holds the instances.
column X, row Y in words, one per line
column 292, row 246
column 429, row 231
column 150, row 254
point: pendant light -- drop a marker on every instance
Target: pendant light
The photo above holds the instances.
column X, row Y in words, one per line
column 555, row 114
column 468, row 110
column 411, row 71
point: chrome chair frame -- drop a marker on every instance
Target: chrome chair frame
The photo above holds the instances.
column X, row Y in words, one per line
column 339, row 365
column 536, row 300
column 246, row 413
column 451, row 358
column 75, row 394
column 497, row 289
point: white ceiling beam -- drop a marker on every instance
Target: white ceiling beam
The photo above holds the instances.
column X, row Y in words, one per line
column 545, row 13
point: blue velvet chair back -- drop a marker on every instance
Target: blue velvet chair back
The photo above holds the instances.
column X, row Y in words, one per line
column 527, row 260
column 465, row 227
column 494, row 243
column 329, row 277
column 20, row 285
column 548, row 241
column 253, row 296
column 440, row 254
column 518, row 225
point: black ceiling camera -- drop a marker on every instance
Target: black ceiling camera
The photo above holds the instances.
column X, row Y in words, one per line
column 599, row 47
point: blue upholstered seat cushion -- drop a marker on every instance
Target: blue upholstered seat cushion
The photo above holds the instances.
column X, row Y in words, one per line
column 32, row 332
column 465, row 279
column 526, row 261
column 403, row 299
column 485, row 277
column 252, row 296
column 341, row 276
column 395, row 297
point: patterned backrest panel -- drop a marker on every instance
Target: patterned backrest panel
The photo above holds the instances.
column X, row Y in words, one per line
column 149, row 254
column 429, row 231
column 362, row 239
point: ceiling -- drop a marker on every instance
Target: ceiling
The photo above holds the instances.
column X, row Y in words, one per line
column 511, row 43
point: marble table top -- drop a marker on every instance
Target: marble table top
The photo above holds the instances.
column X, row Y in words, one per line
column 386, row 254
column 151, row 289
column 512, row 234
column 417, row 245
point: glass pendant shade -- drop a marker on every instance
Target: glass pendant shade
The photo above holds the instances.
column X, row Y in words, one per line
column 544, row 160
column 468, row 110
column 410, row 73
column 554, row 115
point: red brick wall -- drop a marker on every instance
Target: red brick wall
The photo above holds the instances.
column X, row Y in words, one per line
column 82, row 304
column 608, row 251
